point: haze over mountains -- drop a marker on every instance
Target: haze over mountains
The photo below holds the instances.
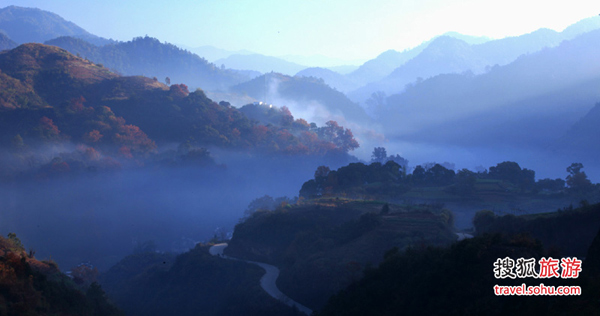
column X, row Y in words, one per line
column 135, row 156
column 388, row 87
column 528, row 104
column 451, row 54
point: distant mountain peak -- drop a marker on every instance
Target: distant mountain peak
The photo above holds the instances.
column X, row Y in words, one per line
column 445, row 44
column 473, row 40
column 26, row 25
column 583, row 26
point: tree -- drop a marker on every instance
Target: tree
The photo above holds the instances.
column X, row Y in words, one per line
column 403, row 162
column 321, row 173
column 265, row 203
column 465, row 182
column 574, row 168
column 286, row 117
column 550, row 185
column 47, row 129
column 168, row 81
column 439, row 175
column 336, row 134
column 511, row 171
column 179, row 91
column 577, row 180
column 418, row 175
column 385, row 209
column 379, row 155
column 93, row 137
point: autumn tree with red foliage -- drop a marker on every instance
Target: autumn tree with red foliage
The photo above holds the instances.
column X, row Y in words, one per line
column 47, row 129
column 286, row 117
column 342, row 138
column 179, row 91
column 93, row 137
column 76, row 104
column 135, row 139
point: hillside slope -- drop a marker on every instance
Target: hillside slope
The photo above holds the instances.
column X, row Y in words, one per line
column 321, row 246
column 32, row 287
column 149, row 57
column 32, row 25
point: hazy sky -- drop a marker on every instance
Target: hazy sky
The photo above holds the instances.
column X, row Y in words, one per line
column 346, row 29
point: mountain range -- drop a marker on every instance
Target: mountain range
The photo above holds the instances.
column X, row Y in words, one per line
column 529, row 102
column 451, row 54
column 478, row 84
column 260, row 63
column 149, row 57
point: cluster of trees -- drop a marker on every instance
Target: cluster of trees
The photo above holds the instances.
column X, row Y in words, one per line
column 385, row 177
column 32, row 287
column 355, row 179
column 380, row 155
column 268, row 203
column 312, row 138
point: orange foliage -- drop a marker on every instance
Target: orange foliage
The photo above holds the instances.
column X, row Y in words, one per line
column 283, row 136
column 76, row 104
column 260, row 132
column 134, row 139
column 93, row 136
column 48, row 126
column 179, row 91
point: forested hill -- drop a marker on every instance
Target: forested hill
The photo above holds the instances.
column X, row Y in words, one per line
column 281, row 89
column 147, row 56
column 52, row 96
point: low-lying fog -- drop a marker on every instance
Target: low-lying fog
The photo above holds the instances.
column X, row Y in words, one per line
column 100, row 218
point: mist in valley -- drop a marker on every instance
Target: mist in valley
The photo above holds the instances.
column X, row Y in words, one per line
column 117, row 150
column 100, row 218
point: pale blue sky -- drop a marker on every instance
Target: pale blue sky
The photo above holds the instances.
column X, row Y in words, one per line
column 346, row 29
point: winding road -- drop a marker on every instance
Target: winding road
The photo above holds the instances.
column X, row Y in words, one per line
column 462, row 236
column 267, row 282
